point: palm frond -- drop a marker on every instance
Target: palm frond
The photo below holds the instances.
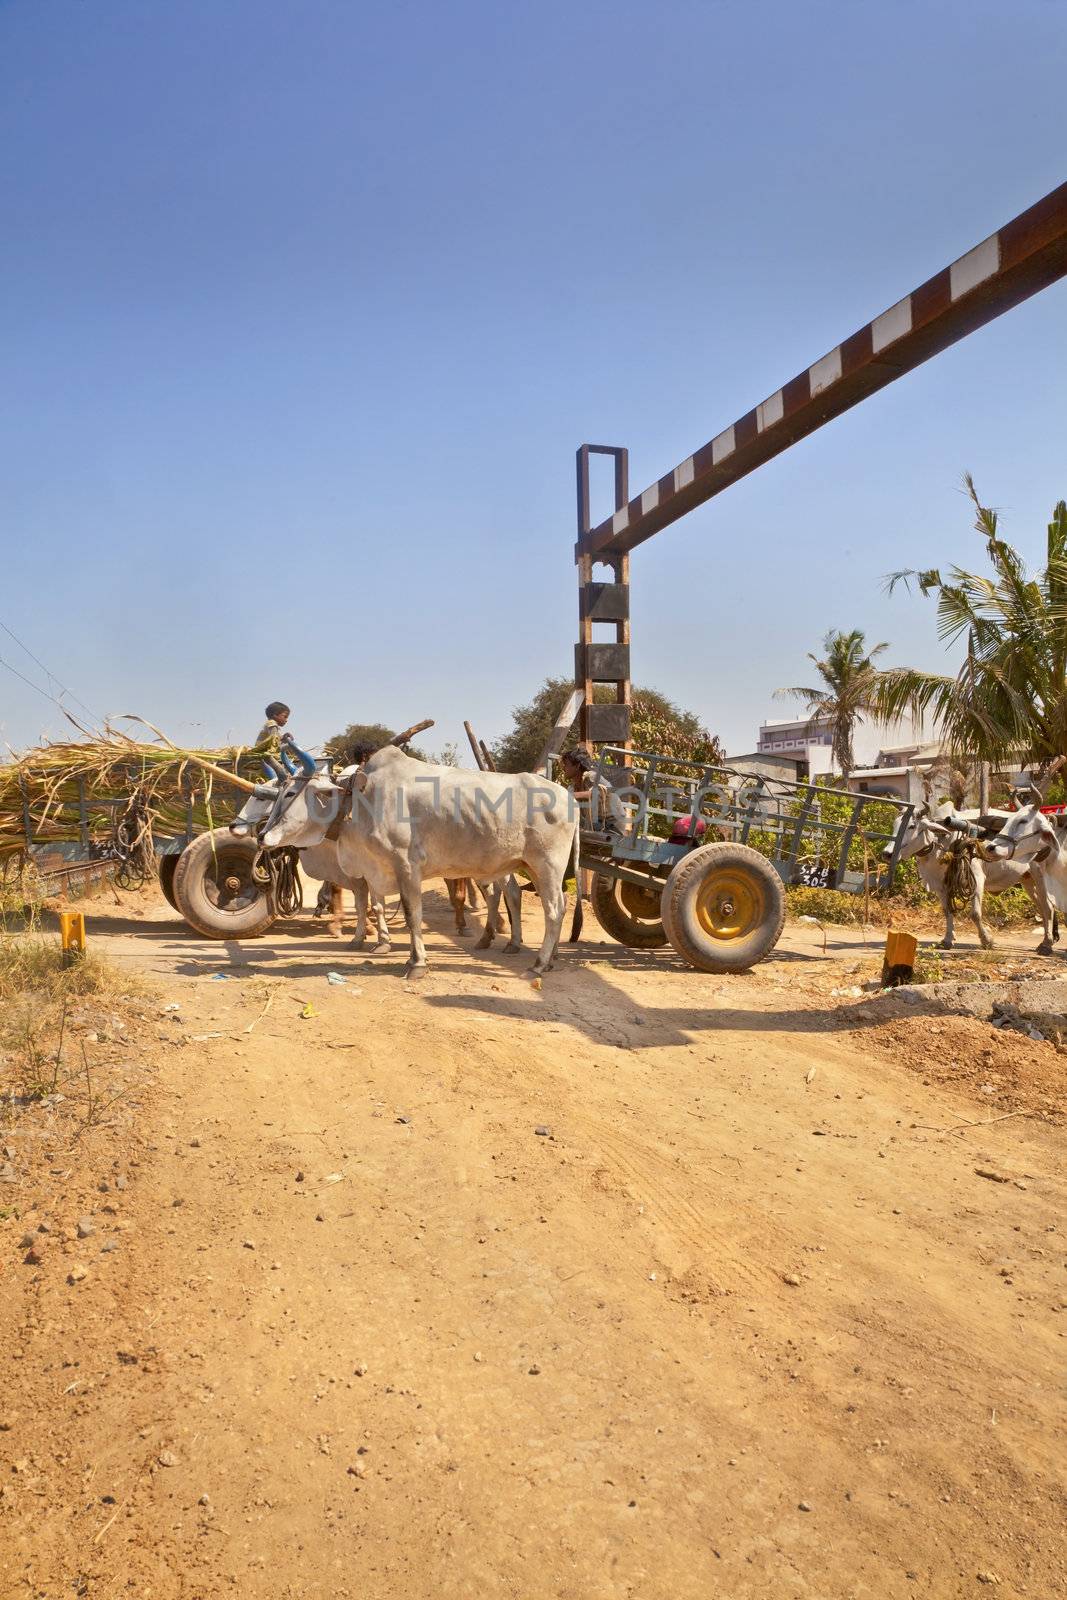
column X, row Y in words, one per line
column 925, row 581
column 800, row 694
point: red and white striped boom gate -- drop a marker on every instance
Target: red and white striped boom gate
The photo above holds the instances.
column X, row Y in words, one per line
column 1026, row 255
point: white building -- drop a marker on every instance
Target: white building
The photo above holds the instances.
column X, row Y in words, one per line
column 805, row 740
column 898, row 770
column 804, row 744
column 793, row 738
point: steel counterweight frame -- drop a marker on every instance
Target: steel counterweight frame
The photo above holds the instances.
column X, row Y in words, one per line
column 1024, row 256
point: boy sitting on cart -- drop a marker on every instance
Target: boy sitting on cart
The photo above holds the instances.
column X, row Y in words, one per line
column 277, row 748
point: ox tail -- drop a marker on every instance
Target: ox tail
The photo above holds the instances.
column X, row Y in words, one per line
column 574, row 865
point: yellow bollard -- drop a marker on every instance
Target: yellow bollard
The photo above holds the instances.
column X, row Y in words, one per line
column 898, row 965
column 72, row 935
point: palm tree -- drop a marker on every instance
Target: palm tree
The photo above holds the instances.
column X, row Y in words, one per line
column 850, row 681
column 1008, row 701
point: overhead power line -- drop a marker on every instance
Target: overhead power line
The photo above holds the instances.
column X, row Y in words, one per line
column 48, row 674
column 29, row 682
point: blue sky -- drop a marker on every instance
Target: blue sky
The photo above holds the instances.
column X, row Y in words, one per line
column 306, row 307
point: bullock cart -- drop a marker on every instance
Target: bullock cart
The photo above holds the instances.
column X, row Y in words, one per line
column 110, row 806
column 701, row 866
column 227, row 887
column 708, row 852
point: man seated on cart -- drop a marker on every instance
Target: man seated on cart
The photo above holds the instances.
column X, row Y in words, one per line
column 601, row 808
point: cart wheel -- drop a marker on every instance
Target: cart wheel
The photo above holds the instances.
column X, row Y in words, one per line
column 723, row 908
column 630, row 913
column 214, row 889
column 168, row 866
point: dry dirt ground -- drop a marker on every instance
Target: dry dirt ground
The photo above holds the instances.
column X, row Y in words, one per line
column 642, row 1283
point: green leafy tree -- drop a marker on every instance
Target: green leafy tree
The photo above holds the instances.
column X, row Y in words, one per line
column 657, row 724
column 1008, row 701
column 848, row 691
column 532, row 723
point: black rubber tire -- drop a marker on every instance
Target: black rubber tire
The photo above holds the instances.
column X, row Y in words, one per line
column 723, row 908
column 213, row 911
column 639, row 932
column 168, row 866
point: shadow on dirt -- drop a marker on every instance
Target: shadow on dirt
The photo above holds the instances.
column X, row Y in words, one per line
column 611, row 1019
column 579, row 993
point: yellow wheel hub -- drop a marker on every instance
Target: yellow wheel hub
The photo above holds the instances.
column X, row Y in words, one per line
column 730, row 904
column 641, row 904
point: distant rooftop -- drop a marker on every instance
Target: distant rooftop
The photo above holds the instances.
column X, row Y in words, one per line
column 795, row 722
column 921, row 748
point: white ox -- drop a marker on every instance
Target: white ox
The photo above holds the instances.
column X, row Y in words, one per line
column 321, row 862
column 398, row 821
column 1032, row 842
column 926, row 839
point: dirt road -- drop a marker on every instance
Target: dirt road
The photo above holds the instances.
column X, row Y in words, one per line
column 640, row 1284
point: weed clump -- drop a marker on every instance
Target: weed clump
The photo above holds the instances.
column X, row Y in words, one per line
column 50, row 1008
column 31, row 963
column 1010, row 909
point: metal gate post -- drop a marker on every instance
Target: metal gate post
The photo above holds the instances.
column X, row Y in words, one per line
column 594, row 661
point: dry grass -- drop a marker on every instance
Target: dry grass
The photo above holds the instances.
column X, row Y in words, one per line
column 918, row 911
column 32, row 964
column 54, row 1018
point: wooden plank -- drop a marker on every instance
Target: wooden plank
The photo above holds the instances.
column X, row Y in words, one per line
column 564, row 723
column 476, row 747
column 408, row 734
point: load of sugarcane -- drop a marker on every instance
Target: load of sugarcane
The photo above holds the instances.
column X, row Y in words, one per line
column 77, row 790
